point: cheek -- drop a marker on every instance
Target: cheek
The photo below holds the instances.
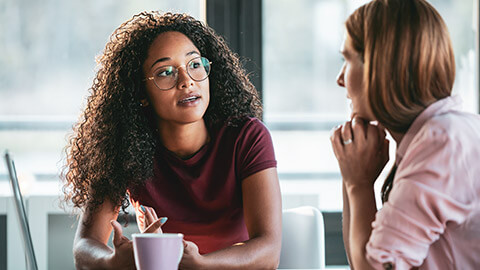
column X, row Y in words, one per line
column 354, row 81
column 161, row 101
column 205, row 85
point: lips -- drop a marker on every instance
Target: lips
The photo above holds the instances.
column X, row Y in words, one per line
column 189, row 99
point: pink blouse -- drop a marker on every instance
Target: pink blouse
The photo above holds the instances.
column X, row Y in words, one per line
column 432, row 217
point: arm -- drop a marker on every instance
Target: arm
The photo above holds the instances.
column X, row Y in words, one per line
column 346, row 223
column 362, row 211
column 90, row 248
column 263, row 217
column 360, row 161
column 432, row 198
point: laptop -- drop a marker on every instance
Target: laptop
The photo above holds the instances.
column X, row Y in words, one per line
column 21, row 214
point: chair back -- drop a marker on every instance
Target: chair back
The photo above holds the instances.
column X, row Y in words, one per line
column 303, row 239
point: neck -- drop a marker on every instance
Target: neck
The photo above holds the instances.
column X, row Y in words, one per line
column 184, row 140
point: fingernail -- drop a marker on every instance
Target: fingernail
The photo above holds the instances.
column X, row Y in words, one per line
column 333, row 129
column 163, row 220
column 143, row 209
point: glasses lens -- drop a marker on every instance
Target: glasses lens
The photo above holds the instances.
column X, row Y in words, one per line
column 198, row 68
column 165, row 77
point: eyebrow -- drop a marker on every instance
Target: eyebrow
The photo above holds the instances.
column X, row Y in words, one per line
column 163, row 59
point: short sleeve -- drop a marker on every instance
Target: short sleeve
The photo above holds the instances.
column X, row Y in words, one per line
column 254, row 149
column 430, row 190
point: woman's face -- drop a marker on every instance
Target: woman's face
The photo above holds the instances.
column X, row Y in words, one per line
column 187, row 101
column 351, row 77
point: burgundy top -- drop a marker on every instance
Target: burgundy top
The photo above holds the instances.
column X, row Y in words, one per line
column 202, row 196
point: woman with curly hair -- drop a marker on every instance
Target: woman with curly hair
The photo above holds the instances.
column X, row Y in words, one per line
column 172, row 127
column 399, row 70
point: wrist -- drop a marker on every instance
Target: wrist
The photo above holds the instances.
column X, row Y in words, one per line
column 355, row 185
column 359, row 191
column 202, row 262
column 108, row 262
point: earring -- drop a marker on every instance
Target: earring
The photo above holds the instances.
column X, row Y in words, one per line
column 143, row 103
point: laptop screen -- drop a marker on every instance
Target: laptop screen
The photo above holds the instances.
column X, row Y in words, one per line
column 21, row 214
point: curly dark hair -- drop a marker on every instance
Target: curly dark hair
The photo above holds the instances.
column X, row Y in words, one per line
column 112, row 146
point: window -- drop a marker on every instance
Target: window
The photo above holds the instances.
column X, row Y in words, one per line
column 301, row 59
column 47, row 66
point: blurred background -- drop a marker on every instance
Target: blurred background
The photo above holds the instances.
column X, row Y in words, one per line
column 290, row 48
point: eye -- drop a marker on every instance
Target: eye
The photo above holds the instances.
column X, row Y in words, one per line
column 196, row 63
column 166, row 71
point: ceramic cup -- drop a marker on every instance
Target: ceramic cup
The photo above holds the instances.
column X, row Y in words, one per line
column 155, row 251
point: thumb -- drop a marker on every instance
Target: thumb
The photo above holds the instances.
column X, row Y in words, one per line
column 117, row 232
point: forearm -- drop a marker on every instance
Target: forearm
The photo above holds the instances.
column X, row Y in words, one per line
column 91, row 254
column 362, row 213
column 256, row 253
column 346, row 223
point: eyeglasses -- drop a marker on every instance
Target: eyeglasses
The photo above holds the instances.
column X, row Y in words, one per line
column 166, row 77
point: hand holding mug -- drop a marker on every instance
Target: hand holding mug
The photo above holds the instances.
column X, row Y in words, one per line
column 122, row 256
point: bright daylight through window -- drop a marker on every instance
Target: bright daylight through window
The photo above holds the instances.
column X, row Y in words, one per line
column 302, row 101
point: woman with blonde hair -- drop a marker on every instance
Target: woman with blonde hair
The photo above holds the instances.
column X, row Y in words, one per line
column 399, row 71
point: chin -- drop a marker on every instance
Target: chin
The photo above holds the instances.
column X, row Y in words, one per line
column 191, row 119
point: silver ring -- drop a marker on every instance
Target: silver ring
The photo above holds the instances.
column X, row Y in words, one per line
column 349, row 141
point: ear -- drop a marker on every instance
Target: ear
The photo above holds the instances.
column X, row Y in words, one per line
column 144, row 102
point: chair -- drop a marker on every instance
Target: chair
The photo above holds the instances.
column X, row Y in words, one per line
column 303, row 239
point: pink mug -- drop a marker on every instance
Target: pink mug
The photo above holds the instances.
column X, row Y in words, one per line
column 157, row 251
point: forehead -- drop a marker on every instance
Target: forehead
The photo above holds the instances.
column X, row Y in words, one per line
column 169, row 44
column 347, row 45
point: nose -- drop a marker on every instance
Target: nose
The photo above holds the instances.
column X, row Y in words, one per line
column 341, row 77
column 184, row 80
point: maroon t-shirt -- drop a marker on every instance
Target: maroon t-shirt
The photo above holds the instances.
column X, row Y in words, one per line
column 202, row 196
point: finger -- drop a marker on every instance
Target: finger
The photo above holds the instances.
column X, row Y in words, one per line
column 149, row 215
column 185, row 243
column 155, row 227
column 117, row 232
column 336, row 140
column 333, row 130
column 359, row 129
column 190, row 248
column 347, row 135
column 141, row 217
column 154, row 213
column 372, row 134
column 382, row 134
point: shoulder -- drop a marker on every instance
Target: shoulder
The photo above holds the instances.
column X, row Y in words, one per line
column 453, row 127
column 244, row 126
column 253, row 123
column 245, row 133
column 444, row 154
column 254, row 128
column 448, row 136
